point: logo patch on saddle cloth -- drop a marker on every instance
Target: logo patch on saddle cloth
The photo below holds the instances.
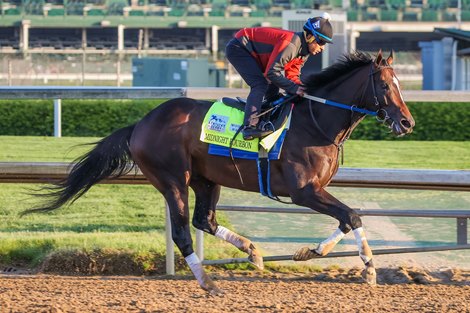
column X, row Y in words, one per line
column 222, row 122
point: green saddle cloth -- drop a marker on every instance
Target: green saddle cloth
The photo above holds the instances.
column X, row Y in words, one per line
column 222, row 122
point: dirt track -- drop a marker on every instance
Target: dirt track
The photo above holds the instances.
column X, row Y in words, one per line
column 411, row 291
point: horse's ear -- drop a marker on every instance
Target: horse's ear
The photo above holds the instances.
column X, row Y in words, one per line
column 378, row 59
column 390, row 58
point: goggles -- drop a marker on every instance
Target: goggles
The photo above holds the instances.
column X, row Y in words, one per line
column 316, row 37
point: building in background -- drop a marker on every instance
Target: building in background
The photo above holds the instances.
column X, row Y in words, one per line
column 446, row 62
column 78, row 42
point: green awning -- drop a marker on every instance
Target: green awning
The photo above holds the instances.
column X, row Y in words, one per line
column 454, row 33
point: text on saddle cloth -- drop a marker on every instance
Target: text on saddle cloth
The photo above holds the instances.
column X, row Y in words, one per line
column 222, row 122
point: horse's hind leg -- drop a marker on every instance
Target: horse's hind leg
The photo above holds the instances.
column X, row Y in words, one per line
column 204, row 218
column 174, row 187
column 177, row 199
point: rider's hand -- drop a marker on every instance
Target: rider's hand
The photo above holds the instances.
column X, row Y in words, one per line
column 301, row 91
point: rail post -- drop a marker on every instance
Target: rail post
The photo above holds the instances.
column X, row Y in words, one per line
column 462, row 231
column 57, row 118
column 200, row 244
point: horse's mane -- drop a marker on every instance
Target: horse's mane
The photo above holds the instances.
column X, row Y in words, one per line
column 346, row 64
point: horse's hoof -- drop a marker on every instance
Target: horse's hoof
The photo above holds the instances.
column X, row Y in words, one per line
column 370, row 276
column 304, row 254
column 208, row 285
column 256, row 259
column 212, row 288
column 216, row 291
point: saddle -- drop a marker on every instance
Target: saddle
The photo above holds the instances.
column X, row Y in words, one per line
column 223, row 122
column 273, row 114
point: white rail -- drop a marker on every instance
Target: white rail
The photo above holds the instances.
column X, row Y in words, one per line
column 457, row 180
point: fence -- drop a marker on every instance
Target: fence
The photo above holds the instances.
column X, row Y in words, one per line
column 22, row 172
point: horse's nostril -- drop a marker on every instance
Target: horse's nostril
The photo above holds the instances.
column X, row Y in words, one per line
column 405, row 123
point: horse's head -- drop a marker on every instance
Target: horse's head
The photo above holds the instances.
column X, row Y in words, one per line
column 387, row 99
column 366, row 83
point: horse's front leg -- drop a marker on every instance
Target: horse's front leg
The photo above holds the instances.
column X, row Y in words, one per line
column 321, row 201
column 325, row 247
column 366, row 255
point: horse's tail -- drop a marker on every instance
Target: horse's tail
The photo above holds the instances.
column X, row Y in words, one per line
column 108, row 159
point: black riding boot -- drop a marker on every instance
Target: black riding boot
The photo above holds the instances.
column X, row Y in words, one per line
column 251, row 132
column 251, row 119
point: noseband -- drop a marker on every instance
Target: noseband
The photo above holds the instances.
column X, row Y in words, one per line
column 380, row 114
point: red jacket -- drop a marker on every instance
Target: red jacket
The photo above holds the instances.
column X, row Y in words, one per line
column 276, row 50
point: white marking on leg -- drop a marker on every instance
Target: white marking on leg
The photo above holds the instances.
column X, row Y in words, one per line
column 328, row 244
column 364, row 251
column 243, row 244
column 222, row 232
column 230, row 236
column 196, row 267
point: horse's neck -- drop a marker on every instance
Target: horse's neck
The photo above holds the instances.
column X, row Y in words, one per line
column 337, row 124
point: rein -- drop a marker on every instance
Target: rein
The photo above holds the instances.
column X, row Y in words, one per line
column 341, row 105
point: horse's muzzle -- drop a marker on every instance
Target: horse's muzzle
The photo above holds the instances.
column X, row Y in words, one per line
column 405, row 126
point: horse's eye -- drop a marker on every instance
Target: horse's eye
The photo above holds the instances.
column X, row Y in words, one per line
column 385, row 86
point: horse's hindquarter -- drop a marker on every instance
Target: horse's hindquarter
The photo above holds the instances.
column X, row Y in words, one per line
column 171, row 122
column 164, row 138
column 167, row 143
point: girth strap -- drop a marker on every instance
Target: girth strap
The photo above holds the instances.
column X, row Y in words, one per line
column 264, row 176
column 263, row 173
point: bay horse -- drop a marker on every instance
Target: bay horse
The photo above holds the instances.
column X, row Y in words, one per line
column 165, row 145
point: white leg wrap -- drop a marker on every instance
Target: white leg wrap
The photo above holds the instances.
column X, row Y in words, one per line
column 330, row 241
column 229, row 236
column 196, row 267
column 362, row 244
